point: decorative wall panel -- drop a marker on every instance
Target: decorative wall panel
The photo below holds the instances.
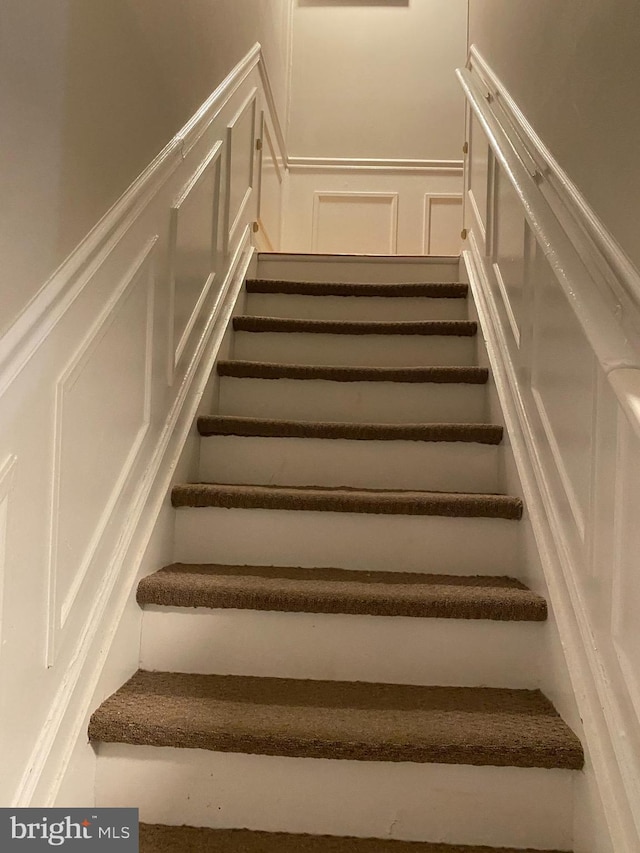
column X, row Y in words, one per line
column 193, row 251
column 357, row 223
column 102, row 416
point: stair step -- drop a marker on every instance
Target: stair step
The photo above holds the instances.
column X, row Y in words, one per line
column 327, row 590
column 463, row 328
column 436, row 290
column 271, row 370
column 158, row 838
column 316, row 498
column 338, row 720
column 268, row 427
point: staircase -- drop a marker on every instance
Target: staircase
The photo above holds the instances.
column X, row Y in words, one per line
column 343, row 658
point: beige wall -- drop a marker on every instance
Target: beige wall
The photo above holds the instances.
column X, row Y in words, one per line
column 574, row 69
column 91, row 91
column 376, row 79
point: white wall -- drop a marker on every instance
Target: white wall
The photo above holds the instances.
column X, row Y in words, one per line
column 375, row 82
column 91, row 91
column 573, row 68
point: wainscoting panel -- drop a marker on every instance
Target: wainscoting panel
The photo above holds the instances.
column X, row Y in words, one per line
column 357, row 223
column 478, row 174
column 442, row 224
column 117, row 357
column 509, row 250
column 241, row 136
column 98, row 423
column 272, row 172
column 557, row 300
column 193, row 251
column 348, row 205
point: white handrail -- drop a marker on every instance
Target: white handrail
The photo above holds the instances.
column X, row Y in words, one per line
column 603, row 331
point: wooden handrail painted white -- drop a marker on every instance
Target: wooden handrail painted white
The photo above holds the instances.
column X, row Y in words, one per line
column 602, row 329
column 626, row 274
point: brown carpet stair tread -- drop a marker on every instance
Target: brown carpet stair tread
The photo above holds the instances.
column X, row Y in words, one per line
column 328, row 590
column 156, row 838
column 438, row 290
column 457, row 328
column 209, row 425
column 338, row 720
column 276, row 370
column 343, row 499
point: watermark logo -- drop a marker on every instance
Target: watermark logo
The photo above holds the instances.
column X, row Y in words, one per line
column 102, row 830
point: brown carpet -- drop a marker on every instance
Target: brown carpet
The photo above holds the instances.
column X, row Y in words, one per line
column 302, row 590
column 325, row 499
column 313, row 288
column 275, row 370
column 155, row 838
column 458, row 328
column 230, row 425
column 338, row 720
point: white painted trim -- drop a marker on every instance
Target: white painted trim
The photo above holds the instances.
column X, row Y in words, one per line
column 175, row 351
column 428, row 204
column 320, row 195
column 81, row 679
column 614, row 768
column 267, row 144
column 230, row 228
column 389, row 166
column 142, row 268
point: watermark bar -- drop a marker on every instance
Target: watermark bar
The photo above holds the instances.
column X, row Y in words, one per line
column 102, row 830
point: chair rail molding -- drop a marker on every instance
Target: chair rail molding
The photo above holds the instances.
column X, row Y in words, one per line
column 559, row 305
column 98, row 423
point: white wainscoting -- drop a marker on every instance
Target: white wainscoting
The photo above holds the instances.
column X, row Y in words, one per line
column 403, row 207
column 93, row 422
column 359, row 223
column 560, row 311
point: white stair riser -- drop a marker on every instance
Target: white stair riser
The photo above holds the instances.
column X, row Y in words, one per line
column 342, row 647
column 454, row 466
column 355, row 350
column 374, row 270
column 498, row 806
column 353, row 402
column 263, row 537
column 302, row 307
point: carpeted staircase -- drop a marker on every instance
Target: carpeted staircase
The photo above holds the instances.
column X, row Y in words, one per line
column 343, row 647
